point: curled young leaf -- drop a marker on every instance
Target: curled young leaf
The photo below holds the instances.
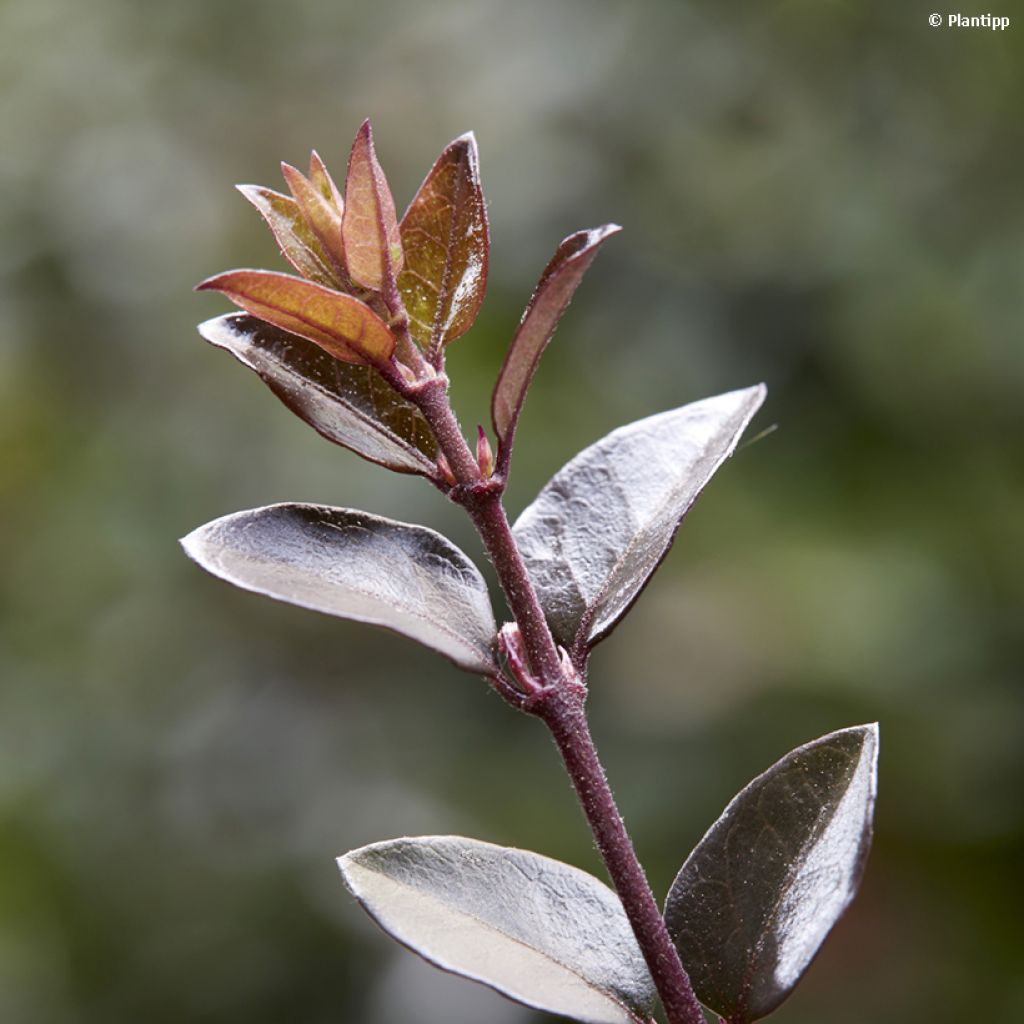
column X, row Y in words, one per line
column 298, row 243
column 340, row 324
column 320, row 213
column 601, row 526
column 756, row 898
column 373, row 245
column 552, row 295
column 445, row 241
column 348, row 404
column 357, row 566
column 537, row 930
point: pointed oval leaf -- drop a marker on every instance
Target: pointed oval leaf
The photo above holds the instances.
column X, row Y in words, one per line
column 601, row 526
column 340, row 324
column 322, row 216
column 298, row 244
column 324, row 183
column 756, row 898
column 552, row 295
column 357, row 566
column 537, row 930
column 446, row 246
column 373, row 245
column 348, row 404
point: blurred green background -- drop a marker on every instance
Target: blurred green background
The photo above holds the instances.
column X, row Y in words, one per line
column 825, row 196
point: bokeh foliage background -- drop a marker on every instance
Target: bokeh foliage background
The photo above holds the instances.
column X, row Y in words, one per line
column 825, row 196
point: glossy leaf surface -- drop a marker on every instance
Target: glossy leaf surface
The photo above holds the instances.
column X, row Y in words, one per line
column 357, row 566
column 298, row 243
column 320, row 213
column 373, row 246
column 539, row 931
column 445, row 241
column 756, row 898
column 600, row 527
column 348, row 404
column 340, row 324
column 552, row 295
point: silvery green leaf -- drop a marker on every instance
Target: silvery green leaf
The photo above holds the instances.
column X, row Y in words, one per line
column 348, row 404
column 357, row 566
column 603, row 523
column 756, row 898
column 537, row 930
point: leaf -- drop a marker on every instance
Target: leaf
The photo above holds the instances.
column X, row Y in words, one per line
column 298, row 244
column 340, row 324
column 322, row 216
column 445, row 241
column 539, row 931
column 373, row 246
column 763, row 888
column 348, row 404
column 357, row 566
column 603, row 523
column 552, row 295
column 323, row 182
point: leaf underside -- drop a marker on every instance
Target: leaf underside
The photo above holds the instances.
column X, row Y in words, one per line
column 348, row 404
column 539, row 931
column 751, row 906
column 357, row 566
column 601, row 526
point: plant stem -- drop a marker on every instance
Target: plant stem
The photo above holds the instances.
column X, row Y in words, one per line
column 488, row 515
column 560, row 705
column 565, row 716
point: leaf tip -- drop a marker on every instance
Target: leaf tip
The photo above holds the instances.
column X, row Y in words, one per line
column 365, row 133
column 867, row 733
column 191, row 543
column 206, row 329
column 292, row 175
column 209, row 284
column 466, row 145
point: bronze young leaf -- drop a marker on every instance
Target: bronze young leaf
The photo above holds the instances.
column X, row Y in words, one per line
column 446, row 245
column 373, row 246
column 299, row 244
column 340, row 324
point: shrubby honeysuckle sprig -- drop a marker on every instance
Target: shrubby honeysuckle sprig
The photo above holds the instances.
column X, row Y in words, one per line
column 355, row 346
column 359, row 297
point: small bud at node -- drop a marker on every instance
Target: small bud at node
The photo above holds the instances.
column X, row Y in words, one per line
column 446, row 471
column 484, row 453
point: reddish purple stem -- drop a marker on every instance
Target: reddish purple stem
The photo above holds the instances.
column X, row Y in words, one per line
column 558, row 700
